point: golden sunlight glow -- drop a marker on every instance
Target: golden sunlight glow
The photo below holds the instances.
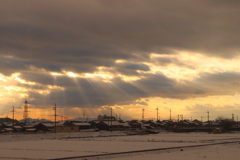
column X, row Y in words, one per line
column 15, row 88
column 4, row 80
column 23, row 81
column 71, row 74
column 44, row 92
column 181, row 65
column 189, row 65
column 102, row 75
column 55, row 87
column 88, row 75
column 120, row 61
column 56, row 74
column 129, row 78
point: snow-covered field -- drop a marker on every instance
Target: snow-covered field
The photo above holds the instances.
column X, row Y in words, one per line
column 61, row 145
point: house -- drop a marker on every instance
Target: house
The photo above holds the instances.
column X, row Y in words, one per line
column 135, row 124
column 17, row 128
column 29, row 128
column 64, row 129
column 124, row 125
column 81, row 125
column 111, row 125
column 216, row 130
column 102, row 125
column 7, row 124
column 45, row 126
column 7, row 130
column 115, row 125
column 106, row 118
column 152, row 123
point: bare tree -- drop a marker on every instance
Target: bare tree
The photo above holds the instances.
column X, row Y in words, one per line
column 225, row 123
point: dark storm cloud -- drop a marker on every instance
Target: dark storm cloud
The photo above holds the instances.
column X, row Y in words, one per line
column 220, row 83
column 11, row 65
column 89, row 93
column 130, row 68
column 67, row 31
column 79, row 36
column 165, row 61
column 92, row 92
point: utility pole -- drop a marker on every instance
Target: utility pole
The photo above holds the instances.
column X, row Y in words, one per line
column 83, row 116
column 170, row 115
column 178, row 117
column 13, row 116
column 55, row 115
column 202, row 118
column 157, row 114
column 111, row 119
column 232, row 117
column 25, row 111
column 237, row 120
column 142, row 114
column 208, row 115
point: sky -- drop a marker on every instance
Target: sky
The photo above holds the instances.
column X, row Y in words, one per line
column 128, row 55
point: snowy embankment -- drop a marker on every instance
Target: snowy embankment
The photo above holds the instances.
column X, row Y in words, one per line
column 49, row 146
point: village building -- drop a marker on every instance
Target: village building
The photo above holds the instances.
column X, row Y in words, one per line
column 106, row 118
column 64, row 129
column 152, row 123
column 112, row 125
column 135, row 124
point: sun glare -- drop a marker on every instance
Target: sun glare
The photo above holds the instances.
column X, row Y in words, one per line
column 71, row 74
column 16, row 77
column 55, row 74
column 4, row 80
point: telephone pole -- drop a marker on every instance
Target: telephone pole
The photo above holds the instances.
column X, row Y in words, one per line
column 13, row 116
column 181, row 116
column 237, row 121
column 170, row 115
column 83, row 116
column 55, row 115
column 142, row 114
column 208, row 115
column 111, row 119
column 25, row 111
column 157, row 114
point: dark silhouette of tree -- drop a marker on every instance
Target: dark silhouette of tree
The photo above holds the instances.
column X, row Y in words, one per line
column 225, row 123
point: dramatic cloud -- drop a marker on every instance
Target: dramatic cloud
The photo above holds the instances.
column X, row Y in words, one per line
column 110, row 53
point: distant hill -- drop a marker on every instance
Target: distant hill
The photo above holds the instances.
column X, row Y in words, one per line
column 81, row 119
column 30, row 120
column 7, row 120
